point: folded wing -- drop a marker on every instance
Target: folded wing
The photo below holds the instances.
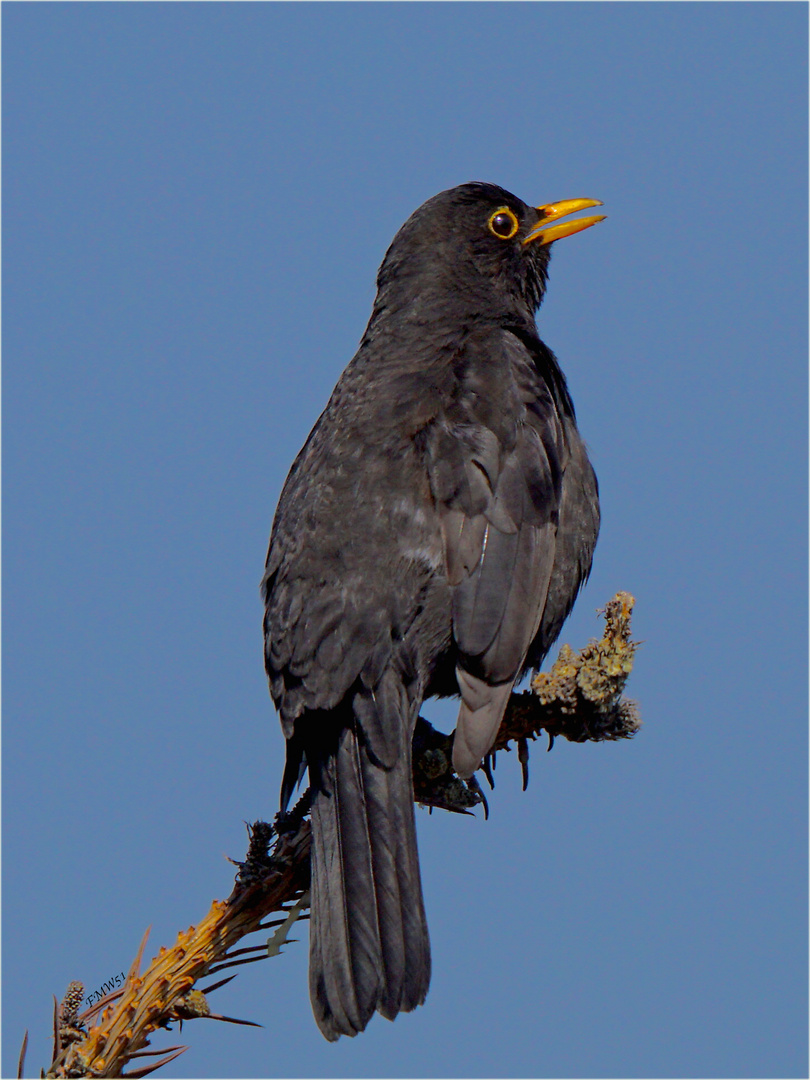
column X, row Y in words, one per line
column 496, row 469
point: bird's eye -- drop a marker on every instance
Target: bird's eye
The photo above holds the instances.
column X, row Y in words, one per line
column 503, row 223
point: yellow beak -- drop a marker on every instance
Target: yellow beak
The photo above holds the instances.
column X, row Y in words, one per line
column 544, row 233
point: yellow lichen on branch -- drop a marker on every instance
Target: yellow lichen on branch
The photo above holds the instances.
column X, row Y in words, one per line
column 580, row 698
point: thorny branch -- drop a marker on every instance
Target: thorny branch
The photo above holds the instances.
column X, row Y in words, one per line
column 580, row 699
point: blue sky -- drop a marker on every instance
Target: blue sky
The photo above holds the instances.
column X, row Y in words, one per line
column 196, row 200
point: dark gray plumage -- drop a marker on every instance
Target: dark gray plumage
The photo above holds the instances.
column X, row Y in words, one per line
column 430, row 540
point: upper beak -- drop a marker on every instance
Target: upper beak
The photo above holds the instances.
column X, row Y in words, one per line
column 544, row 233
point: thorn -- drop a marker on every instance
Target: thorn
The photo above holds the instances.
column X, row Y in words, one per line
column 216, row 986
column 57, row 1042
column 243, row 952
column 154, row 1053
column 550, row 742
column 523, row 758
column 271, row 924
column 135, row 967
column 236, row 963
column 489, row 761
column 231, row 1020
column 158, row 1065
column 279, row 922
column 23, row 1048
column 97, row 1006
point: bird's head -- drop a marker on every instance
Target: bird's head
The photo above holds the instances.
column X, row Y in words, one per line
column 477, row 248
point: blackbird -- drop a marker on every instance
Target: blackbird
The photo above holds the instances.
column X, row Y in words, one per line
column 430, row 540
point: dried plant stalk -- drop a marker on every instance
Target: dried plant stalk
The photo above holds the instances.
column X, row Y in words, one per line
column 163, row 993
column 579, row 699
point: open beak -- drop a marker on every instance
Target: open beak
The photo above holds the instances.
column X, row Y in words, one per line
column 543, row 233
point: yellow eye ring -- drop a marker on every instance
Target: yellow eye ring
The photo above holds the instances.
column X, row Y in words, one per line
column 503, row 223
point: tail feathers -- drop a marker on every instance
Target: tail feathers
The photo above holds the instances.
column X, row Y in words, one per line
column 369, row 947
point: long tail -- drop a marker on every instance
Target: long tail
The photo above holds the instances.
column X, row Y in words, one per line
column 369, row 946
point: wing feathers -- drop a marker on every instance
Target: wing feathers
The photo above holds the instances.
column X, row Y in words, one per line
column 497, row 490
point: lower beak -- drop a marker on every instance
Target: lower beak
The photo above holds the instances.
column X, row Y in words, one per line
column 543, row 233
